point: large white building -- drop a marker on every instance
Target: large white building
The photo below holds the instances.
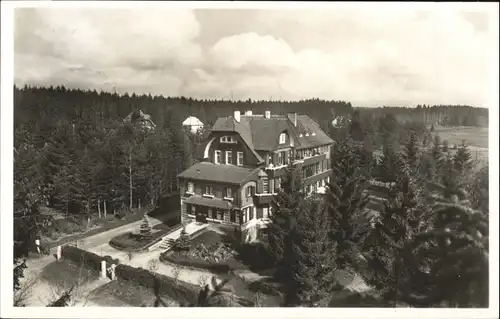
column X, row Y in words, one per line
column 193, row 124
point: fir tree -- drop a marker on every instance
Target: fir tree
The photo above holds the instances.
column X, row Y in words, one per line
column 286, row 206
column 346, row 203
column 313, row 267
column 145, row 230
column 394, row 228
column 411, row 155
column 450, row 261
column 462, row 160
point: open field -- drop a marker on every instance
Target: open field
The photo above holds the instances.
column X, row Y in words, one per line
column 473, row 136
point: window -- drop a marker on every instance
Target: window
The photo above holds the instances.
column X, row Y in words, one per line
column 277, row 184
column 244, row 215
column 226, row 216
column 250, row 191
column 229, row 157
column 265, row 212
column 240, row 159
column 210, row 214
column 250, row 213
column 220, row 216
column 193, row 209
column 270, row 158
column 228, row 139
column 218, row 158
column 190, row 187
column 232, row 216
column 214, row 214
column 280, row 158
column 238, row 217
column 282, row 138
column 265, row 185
column 208, row 190
column 229, row 192
column 259, row 213
column 317, row 168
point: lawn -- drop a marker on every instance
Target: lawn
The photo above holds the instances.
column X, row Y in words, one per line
column 64, row 274
column 120, row 293
column 134, row 242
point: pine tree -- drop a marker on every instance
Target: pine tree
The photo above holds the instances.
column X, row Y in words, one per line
column 450, row 261
column 346, row 202
column 145, row 230
column 390, row 166
column 394, row 228
column 312, row 266
column 462, row 160
column 286, row 206
column 411, row 155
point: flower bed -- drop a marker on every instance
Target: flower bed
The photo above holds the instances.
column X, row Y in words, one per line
column 134, row 242
column 214, row 256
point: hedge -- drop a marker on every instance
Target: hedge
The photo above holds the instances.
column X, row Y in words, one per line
column 220, row 267
column 90, row 259
column 185, row 293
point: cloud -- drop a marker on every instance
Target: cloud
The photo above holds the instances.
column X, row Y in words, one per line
column 123, row 47
column 369, row 57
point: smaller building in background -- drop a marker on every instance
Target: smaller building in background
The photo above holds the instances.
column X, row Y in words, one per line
column 193, row 124
column 140, row 119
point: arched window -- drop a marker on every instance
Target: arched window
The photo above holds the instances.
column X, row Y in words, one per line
column 282, row 138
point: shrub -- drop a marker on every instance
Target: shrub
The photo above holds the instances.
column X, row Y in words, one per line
column 183, row 292
column 161, row 227
column 221, row 267
column 135, row 242
column 182, row 243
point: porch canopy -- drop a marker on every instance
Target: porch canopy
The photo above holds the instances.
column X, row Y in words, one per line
column 208, row 202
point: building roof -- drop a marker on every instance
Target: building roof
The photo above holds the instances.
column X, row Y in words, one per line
column 230, row 174
column 261, row 134
column 192, row 121
column 138, row 116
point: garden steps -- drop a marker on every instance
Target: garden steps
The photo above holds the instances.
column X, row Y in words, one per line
column 167, row 241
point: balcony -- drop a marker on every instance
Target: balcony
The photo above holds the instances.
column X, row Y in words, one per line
column 260, row 199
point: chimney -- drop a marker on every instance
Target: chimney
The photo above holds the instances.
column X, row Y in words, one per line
column 248, row 113
column 293, row 118
column 267, row 114
column 237, row 116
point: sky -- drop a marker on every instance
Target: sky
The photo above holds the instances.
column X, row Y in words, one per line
column 368, row 57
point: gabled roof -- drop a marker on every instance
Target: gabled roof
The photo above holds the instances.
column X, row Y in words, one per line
column 231, row 174
column 261, row 134
column 139, row 117
column 192, row 120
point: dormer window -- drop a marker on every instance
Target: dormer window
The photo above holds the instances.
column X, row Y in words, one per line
column 307, row 134
column 300, row 135
column 282, row 138
column 228, row 140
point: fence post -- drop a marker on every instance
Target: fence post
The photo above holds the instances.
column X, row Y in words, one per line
column 113, row 275
column 59, row 250
column 103, row 269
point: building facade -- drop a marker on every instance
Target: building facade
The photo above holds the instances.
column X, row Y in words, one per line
column 241, row 166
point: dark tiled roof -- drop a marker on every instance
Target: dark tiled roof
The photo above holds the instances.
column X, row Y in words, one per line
column 209, row 202
column 261, row 134
column 207, row 171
